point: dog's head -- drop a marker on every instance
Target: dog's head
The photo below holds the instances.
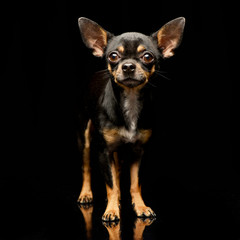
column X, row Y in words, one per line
column 132, row 57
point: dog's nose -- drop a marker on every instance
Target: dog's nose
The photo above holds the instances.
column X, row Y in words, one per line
column 128, row 67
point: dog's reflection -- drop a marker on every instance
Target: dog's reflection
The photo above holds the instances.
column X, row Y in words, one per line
column 140, row 224
column 113, row 228
column 87, row 210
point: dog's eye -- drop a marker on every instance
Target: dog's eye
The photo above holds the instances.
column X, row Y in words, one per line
column 147, row 57
column 113, row 57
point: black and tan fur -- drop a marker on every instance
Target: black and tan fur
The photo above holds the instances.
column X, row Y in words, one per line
column 119, row 104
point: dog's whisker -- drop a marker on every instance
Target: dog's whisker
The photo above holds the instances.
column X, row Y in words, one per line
column 160, row 71
column 151, row 84
column 103, row 71
column 160, row 74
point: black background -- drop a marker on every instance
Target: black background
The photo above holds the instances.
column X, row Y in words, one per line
column 189, row 177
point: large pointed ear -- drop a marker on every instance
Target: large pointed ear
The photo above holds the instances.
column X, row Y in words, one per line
column 94, row 36
column 169, row 36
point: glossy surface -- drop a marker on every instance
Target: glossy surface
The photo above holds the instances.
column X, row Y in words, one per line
column 51, row 212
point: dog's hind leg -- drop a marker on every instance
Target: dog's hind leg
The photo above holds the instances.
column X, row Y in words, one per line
column 86, row 195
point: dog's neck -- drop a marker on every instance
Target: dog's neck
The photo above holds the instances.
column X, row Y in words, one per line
column 131, row 108
column 123, row 106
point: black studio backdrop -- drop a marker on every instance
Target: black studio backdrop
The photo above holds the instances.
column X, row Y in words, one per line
column 45, row 71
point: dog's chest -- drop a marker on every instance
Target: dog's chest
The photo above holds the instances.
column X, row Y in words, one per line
column 131, row 108
column 129, row 133
column 115, row 136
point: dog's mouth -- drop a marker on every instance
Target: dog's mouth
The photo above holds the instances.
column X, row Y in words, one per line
column 131, row 82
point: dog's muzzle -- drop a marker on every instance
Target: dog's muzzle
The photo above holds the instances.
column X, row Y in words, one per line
column 130, row 74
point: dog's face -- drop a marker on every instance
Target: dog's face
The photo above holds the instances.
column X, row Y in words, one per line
column 132, row 57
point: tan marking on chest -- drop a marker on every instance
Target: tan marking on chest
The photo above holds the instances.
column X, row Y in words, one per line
column 111, row 135
column 145, row 134
column 115, row 135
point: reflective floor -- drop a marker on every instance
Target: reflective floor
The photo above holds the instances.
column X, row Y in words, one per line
column 51, row 212
column 114, row 229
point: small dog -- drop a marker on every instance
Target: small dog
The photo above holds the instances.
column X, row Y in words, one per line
column 120, row 116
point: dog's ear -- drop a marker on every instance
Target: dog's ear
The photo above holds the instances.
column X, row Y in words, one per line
column 94, row 36
column 169, row 36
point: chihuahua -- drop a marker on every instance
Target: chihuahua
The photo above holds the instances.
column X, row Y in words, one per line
column 119, row 106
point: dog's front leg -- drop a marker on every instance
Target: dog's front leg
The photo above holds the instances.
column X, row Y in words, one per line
column 138, row 204
column 86, row 195
column 112, row 212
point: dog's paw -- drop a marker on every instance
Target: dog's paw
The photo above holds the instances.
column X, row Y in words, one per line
column 111, row 215
column 144, row 211
column 112, row 225
column 143, row 222
column 85, row 198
